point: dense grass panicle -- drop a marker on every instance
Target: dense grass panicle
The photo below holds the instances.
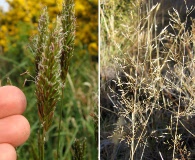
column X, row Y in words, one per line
column 48, row 82
column 68, row 25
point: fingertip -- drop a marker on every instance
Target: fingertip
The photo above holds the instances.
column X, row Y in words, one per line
column 14, row 130
column 22, row 132
column 7, row 152
column 13, row 101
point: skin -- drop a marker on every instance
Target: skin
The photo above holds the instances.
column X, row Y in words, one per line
column 14, row 128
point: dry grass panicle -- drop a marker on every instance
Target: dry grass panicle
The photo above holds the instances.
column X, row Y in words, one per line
column 154, row 99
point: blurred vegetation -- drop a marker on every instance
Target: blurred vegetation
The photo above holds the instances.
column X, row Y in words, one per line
column 28, row 12
column 17, row 26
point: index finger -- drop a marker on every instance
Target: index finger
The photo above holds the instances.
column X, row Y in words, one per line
column 12, row 101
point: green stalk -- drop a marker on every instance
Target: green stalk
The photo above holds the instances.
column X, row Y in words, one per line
column 42, row 144
column 59, row 127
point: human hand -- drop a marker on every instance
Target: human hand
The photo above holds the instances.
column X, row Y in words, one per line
column 14, row 128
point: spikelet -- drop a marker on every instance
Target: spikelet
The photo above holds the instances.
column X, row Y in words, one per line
column 39, row 41
column 79, row 149
column 48, row 81
column 68, row 24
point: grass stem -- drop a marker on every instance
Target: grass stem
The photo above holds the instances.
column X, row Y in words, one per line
column 41, row 144
column 59, row 127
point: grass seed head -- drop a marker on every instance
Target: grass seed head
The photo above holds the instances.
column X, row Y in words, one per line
column 39, row 41
column 68, row 24
column 48, row 81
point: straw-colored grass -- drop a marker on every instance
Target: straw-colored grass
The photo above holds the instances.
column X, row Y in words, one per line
column 149, row 112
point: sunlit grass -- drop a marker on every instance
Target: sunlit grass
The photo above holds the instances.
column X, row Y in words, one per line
column 147, row 104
